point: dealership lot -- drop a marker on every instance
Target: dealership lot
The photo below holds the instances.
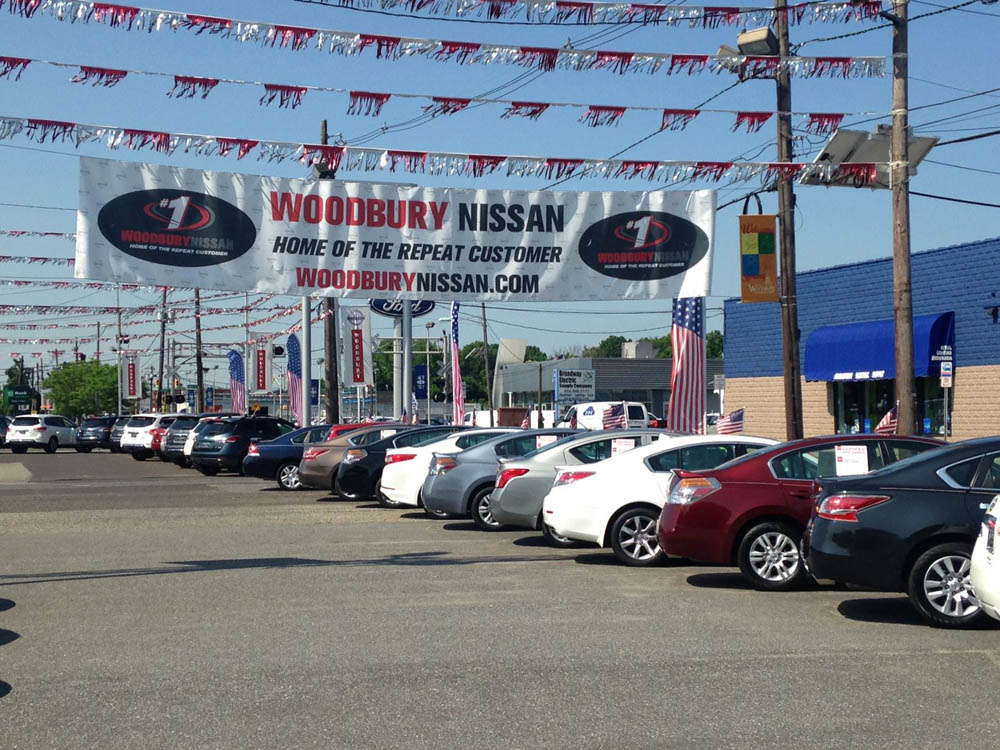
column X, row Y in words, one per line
column 143, row 604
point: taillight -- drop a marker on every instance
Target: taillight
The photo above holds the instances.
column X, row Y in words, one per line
column 41, row 429
column 568, row 477
column 395, row 458
column 233, row 439
column 311, row 454
column 354, row 455
column 507, row 474
column 254, row 450
column 692, row 489
column 442, row 464
column 847, row 507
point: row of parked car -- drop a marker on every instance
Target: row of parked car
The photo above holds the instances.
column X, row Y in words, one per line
column 896, row 513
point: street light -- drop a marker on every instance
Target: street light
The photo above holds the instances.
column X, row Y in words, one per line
column 427, row 379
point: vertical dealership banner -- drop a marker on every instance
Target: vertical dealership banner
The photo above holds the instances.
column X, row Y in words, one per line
column 357, row 368
column 758, row 259
column 131, row 376
column 155, row 224
column 262, row 366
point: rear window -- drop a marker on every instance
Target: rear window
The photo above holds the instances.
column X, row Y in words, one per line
column 25, row 421
column 94, row 423
column 216, row 428
column 141, row 421
column 636, row 412
column 420, row 438
column 184, row 424
column 166, row 422
column 469, row 441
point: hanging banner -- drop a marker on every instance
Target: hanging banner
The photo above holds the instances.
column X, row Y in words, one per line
column 131, row 379
column 357, row 366
column 150, row 223
column 758, row 260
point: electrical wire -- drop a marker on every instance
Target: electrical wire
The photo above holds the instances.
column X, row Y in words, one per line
column 32, row 205
column 961, row 166
column 955, row 200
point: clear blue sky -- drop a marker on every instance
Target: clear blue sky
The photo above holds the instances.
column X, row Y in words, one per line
column 948, row 52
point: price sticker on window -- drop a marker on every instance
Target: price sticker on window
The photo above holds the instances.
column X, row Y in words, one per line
column 542, row 440
column 851, row 459
column 622, row 445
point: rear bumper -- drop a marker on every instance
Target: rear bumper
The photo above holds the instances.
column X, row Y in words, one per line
column 510, row 518
column 865, row 565
column 679, row 538
column 20, row 441
column 253, row 466
column 399, row 496
column 444, row 496
column 317, row 478
column 233, row 463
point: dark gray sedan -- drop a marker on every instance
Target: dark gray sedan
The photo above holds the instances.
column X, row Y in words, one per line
column 459, row 484
column 523, row 483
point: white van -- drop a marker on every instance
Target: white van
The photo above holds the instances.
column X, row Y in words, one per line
column 481, row 418
column 590, row 416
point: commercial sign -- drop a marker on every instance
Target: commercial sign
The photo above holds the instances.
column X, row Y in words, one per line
column 573, row 386
column 393, row 308
column 155, row 224
column 358, row 369
column 314, row 392
column 851, row 459
column 131, row 384
column 209, row 397
column 947, row 373
column 758, row 260
column 420, row 382
column 262, row 369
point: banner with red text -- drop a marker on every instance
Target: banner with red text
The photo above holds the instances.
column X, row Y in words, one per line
column 356, row 346
column 155, row 224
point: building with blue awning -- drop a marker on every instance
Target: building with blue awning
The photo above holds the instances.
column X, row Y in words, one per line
column 847, row 340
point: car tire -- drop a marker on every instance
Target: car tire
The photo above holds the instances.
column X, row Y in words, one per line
column 287, row 477
column 769, row 559
column 633, row 538
column 164, row 458
column 384, row 501
column 53, row 445
column 208, row 471
column 552, row 537
column 939, row 587
column 479, row 510
column 19, row 449
column 139, row 456
column 433, row 513
column 84, row 450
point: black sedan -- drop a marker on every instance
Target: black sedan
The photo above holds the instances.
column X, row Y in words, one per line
column 279, row 459
column 361, row 470
column 909, row 527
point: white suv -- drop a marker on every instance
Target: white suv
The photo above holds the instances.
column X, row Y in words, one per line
column 138, row 436
column 48, row 431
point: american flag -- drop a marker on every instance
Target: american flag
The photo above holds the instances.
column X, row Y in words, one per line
column 237, row 382
column 458, row 388
column 687, row 381
column 295, row 377
column 888, row 424
column 731, row 423
column 526, row 422
column 614, row 417
column 414, row 409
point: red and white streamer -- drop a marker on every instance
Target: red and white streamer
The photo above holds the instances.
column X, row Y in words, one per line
column 106, row 77
column 677, row 119
column 598, row 115
column 367, row 103
column 446, row 105
column 823, row 123
column 751, row 122
column 530, row 110
column 287, row 96
column 12, row 67
column 188, row 87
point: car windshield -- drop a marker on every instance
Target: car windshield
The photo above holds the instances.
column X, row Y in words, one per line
column 557, row 444
column 141, row 421
column 930, row 455
column 24, row 421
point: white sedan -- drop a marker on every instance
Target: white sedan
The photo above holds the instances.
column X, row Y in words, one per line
column 406, row 468
column 986, row 563
column 617, row 502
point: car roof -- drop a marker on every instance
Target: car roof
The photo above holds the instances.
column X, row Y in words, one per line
column 682, row 441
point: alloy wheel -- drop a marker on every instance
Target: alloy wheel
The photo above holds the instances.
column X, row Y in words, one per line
column 774, row 557
column 483, row 510
column 637, row 538
column 948, row 587
column 289, row 477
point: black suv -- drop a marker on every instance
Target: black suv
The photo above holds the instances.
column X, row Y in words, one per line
column 4, row 424
column 95, row 432
column 223, row 443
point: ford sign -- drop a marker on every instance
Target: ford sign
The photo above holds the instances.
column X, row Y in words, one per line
column 393, row 308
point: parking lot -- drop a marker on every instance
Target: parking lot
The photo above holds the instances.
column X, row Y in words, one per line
column 141, row 604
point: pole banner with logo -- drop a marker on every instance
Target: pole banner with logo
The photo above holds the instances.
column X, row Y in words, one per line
column 155, row 224
column 357, row 369
column 131, row 377
column 262, row 369
column 758, row 259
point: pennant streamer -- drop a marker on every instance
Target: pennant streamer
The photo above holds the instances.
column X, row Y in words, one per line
column 12, row 67
column 187, row 87
column 446, row 105
column 367, row 103
column 99, row 76
column 597, row 115
column 677, row 119
column 287, row 96
column 823, row 123
column 393, row 47
column 531, row 110
column 751, row 121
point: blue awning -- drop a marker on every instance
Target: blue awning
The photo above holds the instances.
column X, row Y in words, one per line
column 866, row 351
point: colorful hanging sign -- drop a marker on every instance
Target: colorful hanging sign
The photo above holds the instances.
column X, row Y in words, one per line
column 356, row 324
column 351, row 43
column 131, row 377
column 758, row 258
column 304, row 237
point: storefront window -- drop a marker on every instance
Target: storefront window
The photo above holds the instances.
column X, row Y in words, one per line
column 860, row 405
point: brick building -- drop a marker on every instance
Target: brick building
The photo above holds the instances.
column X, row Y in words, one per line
column 847, row 339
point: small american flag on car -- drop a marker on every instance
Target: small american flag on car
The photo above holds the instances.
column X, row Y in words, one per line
column 614, row 417
column 731, row 423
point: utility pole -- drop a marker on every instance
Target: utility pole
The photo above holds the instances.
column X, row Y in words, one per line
column 97, row 356
column 407, row 375
column 118, row 350
column 899, row 171
column 306, row 362
column 332, row 374
column 163, row 348
column 786, row 218
column 541, row 421
column 486, row 367
column 199, row 374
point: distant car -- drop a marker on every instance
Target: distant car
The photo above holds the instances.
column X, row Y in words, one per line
column 318, row 469
column 360, row 471
column 117, row 430
column 752, row 511
column 460, row 484
column 94, row 432
column 224, row 443
column 177, row 433
column 985, row 570
column 336, row 430
column 48, row 431
column 4, row 424
column 590, row 415
column 910, row 527
column 523, row 483
column 143, row 433
column 279, row 458
column 406, row 468
column 615, row 503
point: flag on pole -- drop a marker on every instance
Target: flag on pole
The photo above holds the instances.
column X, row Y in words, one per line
column 458, row 388
column 687, row 381
column 414, row 408
column 731, row 423
column 526, row 422
column 295, row 377
column 237, row 382
column 614, row 417
column 888, row 424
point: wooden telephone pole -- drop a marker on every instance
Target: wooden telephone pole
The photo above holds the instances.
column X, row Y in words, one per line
column 332, row 374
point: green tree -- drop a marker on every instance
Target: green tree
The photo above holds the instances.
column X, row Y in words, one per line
column 87, row 387
column 713, row 345
column 534, row 354
column 16, row 375
column 662, row 347
column 382, row 363
column 611, row 347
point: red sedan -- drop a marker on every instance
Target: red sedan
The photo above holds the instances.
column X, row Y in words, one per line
column 752, row 511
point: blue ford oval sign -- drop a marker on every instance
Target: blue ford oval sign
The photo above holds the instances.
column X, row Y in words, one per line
column 393, row 308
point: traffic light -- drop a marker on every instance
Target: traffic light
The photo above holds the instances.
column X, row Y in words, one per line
column 277, row 350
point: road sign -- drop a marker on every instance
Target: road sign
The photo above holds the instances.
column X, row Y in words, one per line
column 314, row 392
column 947, row 372
column 420, row 381
column 191, row 394
column 209, row 397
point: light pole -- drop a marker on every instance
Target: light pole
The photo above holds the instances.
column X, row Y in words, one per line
column 427, row 379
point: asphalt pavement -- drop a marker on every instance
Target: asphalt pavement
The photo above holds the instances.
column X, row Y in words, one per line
column 142, row 605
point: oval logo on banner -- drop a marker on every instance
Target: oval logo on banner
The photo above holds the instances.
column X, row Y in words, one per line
column 393, row 308
column 643, row 245
column 176, row 227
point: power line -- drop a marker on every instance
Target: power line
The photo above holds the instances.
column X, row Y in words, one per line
column 955, row 200
column 32, row 205
column 987, row 134
column 961, row 166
